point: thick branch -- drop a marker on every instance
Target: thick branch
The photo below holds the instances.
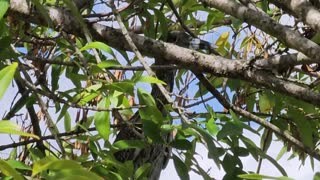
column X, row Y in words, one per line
column 262, row 21
column 302, row 9
column 191, row 59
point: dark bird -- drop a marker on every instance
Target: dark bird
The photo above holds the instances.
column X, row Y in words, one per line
column 157, row 154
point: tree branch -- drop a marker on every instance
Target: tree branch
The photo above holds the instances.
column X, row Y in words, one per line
column 262, row 21
column 302, row 9
column 191, row 59
column 286, row 135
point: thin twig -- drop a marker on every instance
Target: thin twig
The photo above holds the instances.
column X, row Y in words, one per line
column 134, row 48
column 51, row 125
column 22, row 143
column 174, row 10
column 68, row 103
column 285, row 134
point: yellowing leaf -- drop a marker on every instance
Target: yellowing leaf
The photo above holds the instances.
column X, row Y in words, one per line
column 223, row 39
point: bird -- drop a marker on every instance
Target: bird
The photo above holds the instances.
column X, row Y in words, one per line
column 157, row 154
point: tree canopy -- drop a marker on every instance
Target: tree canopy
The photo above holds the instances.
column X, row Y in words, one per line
column 74, row 73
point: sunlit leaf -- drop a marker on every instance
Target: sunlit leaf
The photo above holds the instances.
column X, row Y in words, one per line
column 4, row 4
column 259, row 176
column 7, row 170
column 266, row 102
column 6, row 76
column 212, row 127
column 142, row 171
column 42, row 164
column 109, row 63
column 127, row 144
column 67, row 122
column 150, row 79
column 8, row 127
column 102, row 120
column 97, row 45
column 18, row 165
column 145, row 98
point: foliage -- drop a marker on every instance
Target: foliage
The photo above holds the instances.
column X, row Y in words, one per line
column 92, row 84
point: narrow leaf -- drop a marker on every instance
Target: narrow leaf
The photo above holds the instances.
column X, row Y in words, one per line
column 6, row 76
column 8, row 127
column 101, row 120
column 150, row 79
column 180, row 168
column 97, row 45
column 7, row 170
column 4, row 4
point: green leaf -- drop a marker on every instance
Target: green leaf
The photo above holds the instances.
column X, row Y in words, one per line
column 67, row 122
column 102, row 120
column 55, row 74
column 240, row 151
column 64, row 164
column 223, row 39
column 97, row 45
column 7, row 170
column 182, row 144
column 180, row 168
column 212, row 127
column 8, row 127
column 316, row 176
column 150, row 79
column 142, row 171
column 87, row 95
column 259, row 176
column 125, row 87
column 152, row 129
column 18, row 165
column 266, row 102
column 4, row 4
column 229, row 163
column 266, row 140
column 255, row 151
column 209, row 142
column 316, row 38
column 42, row 164
column 107, row 64
column 127, row 144
column 255, row 176
column 281, row 153
column 306, row 131
column 145, row 98
column 229, row 129
column 6, row 76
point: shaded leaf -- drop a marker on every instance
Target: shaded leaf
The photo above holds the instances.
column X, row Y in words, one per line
column 180, row 168
column 127, row 144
